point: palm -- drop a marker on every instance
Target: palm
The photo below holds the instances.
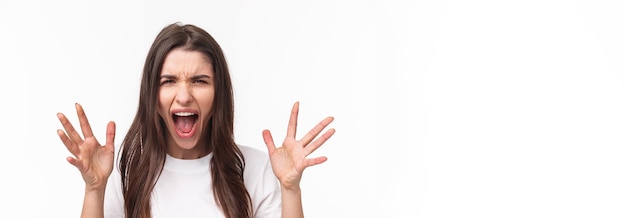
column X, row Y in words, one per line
column 93, row 160
column 290, row 160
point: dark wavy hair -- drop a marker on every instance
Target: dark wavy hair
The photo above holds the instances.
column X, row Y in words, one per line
column 143, row 150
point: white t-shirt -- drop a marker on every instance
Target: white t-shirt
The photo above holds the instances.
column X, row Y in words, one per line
column 184, row 188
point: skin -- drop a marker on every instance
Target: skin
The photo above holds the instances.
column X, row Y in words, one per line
column 92, row 159
column 186, row 83
column 290, row 160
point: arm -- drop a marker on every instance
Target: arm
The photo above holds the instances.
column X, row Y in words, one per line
column 93, row 204
column 290, row 160
column 292, row 203
column 94, row 161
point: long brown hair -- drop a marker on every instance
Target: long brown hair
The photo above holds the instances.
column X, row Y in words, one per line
column 143, row 150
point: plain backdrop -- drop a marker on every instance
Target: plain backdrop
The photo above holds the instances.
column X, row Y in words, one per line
column 442, row 108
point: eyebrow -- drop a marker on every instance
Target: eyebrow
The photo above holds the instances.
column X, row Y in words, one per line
column 167, row 76
column 203, row 76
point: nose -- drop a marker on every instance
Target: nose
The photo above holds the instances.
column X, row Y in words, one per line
column 183, row 95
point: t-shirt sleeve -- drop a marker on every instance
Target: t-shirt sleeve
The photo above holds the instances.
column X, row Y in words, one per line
column 270, row 204
column 262, row 185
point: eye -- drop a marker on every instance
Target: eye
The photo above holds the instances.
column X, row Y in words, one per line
column 201, row 81
column 167, row 81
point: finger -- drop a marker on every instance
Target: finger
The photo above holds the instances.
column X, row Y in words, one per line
column 110, row 136
column 69, row 129
column 293, row 121
column 310, row 148
column 75, row 163
column 269, row 141
column 84, row 122
column 315, row 161
column 316, row 130
column 69, row 144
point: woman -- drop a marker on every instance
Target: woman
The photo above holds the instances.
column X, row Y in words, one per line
column 179, row 157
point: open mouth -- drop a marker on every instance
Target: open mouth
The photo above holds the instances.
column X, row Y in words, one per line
column 185, row 123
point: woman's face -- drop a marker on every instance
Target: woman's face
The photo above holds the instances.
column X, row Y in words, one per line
column 186, row 95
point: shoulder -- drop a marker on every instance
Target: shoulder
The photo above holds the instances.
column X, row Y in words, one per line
column 261, row 183
column 253, row 155
column 256, row 160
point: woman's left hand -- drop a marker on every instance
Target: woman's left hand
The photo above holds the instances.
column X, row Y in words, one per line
column 290, row 160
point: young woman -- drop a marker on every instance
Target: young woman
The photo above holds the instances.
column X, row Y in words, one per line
column 179, row 157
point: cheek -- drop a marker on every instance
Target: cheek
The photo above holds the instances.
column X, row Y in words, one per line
column 163, row 101
column 205, row 100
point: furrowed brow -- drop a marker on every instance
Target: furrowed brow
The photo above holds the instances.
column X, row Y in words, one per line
column 167, row 76
column 201, row 77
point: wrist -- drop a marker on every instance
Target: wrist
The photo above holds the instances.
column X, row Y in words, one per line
column 95, row 190
column 290, row 183
column 94, row 195
column 290, row 189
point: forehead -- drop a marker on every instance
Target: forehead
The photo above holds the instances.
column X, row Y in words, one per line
column 181, row 61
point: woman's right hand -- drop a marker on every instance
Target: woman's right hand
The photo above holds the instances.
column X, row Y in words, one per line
column 93, row 160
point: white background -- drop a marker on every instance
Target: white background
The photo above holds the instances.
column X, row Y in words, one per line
column 443, row 108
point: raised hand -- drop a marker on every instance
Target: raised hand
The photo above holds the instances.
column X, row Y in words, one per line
column 290, row 160
column 93, row 160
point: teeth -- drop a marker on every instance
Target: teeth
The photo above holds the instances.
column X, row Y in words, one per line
column 184, row 114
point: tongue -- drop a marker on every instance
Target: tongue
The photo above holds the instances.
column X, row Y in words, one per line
column 185, row 124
